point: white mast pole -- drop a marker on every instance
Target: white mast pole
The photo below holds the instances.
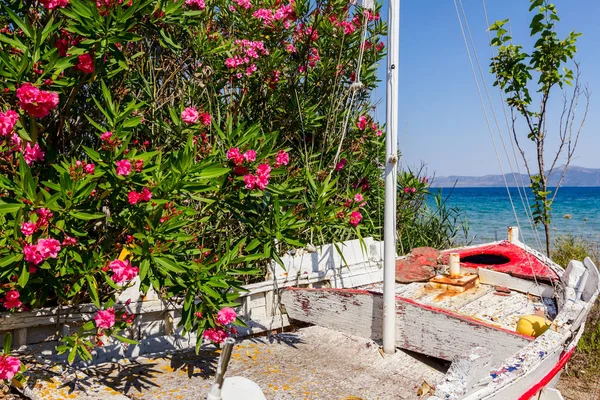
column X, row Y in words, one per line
column 391, row 150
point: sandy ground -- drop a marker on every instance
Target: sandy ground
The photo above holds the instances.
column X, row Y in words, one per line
column 312, row 363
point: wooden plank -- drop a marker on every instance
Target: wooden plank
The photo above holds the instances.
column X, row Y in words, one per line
column 495, row 278
column 421, row 328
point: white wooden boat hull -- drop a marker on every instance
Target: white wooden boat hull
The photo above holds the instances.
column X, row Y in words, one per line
column 488, row 362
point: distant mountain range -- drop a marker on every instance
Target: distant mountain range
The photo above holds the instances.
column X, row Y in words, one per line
column 575, row 176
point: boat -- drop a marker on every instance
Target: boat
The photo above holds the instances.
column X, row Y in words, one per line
column 470, row 320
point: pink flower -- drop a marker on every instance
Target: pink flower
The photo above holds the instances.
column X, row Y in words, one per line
column 11, row 299
column 85, row 63
column 198, row 315
column 133, row 197
column 250, row 155
column 89, row 168
column 105, row 319
column 358, row 197
column 362, row 122
column 244, row 3
column 379, row 132
column 190, row 115
column 28, row 228
column 263, row 170
column 262, row 182
column 226, row 315
column 215, row 335
column 37, row 103
column 8, row 120
column 48, row 248
column 52, row 4
column 205, row 118
column 69, row 241
column 355, row 218
column 122, row 271
column 44, row 216
column 31, row 154
column 106, row 136
column 9, row 366
column 123, row 167
column 235, row 155
column 197, row 4
column 146, row 195
column 282, row 158
column 250, row 181
column 32, row 255
column 339, row 166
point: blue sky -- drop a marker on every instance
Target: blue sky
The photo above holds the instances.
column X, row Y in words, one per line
column 442, row 123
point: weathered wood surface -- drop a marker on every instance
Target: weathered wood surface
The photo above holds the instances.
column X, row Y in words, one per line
column 421, row 328
column 480, row 302
column 491, row 277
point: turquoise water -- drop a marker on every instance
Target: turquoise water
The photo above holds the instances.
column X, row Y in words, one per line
column 576, row 210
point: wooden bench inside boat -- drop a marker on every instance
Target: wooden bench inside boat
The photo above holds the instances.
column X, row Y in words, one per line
column 431, row 321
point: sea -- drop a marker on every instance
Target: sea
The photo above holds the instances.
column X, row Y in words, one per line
column 488, row 213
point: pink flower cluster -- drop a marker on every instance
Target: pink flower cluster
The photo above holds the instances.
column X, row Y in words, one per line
column 260, row 180
column 190, row 116
column 215, row 335
column 313, row 57
column 306, row 33
column 218, row 334
column 44, row 249
column 135, row 197
column 105, row 319
column 85, row 167
column 123, row 167
column 355, row 218
column 284, row 13
column 234, row 154
column 196, row 4
column 282, row 158
column 37, row 103
column 85, row 63
column 11, row 299
column 9, row 366
column 409, row 190
column 226, row 316
column 243, row 3
column 362, row 123
column 340, row 165
column 122, row 271
column 52, row 4
column 8, row 120
column 250, row 50
column 32, row 154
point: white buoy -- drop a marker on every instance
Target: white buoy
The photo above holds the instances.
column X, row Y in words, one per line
column 454, row 264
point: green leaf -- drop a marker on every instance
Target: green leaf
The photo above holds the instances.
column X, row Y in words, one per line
column 169, row 265
column 87, row 216
column 124, row 339
column 7, row 342
column 93, row 289
column 6, row 208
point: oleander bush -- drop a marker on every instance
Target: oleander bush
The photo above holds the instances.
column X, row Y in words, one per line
column 186, row 143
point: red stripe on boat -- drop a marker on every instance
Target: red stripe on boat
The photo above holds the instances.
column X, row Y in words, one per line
column 546, row 379
column 521, row 263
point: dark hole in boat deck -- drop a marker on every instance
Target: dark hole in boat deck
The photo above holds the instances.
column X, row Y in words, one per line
column 486, row 259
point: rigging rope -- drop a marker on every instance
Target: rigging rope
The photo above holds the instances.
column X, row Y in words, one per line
column 525, row 207
column 526, row 204
column 357, row 85
column 487, row 120
column 487, row 117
